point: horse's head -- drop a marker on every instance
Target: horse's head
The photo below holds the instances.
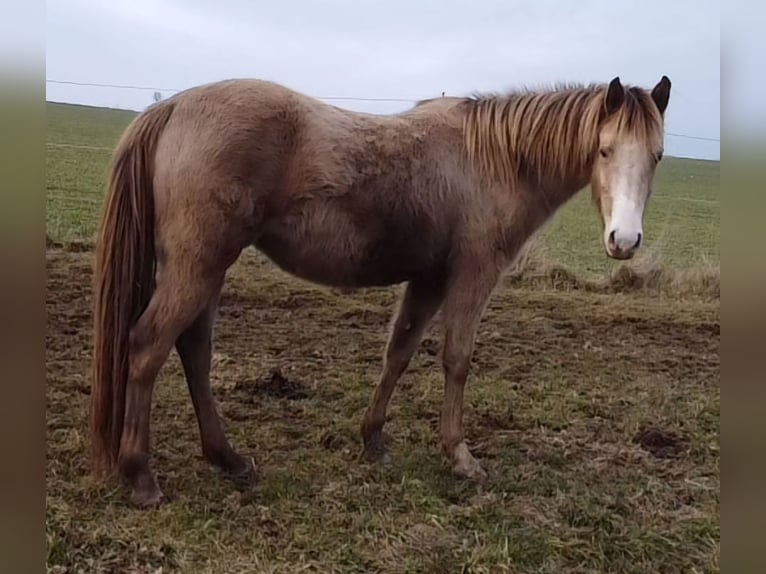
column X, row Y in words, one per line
column 630, row 145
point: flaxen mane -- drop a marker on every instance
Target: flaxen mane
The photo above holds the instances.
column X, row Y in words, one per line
column 530, row 134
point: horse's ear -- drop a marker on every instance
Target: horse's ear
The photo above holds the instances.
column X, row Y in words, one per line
column 661, row 94
column 615, row 96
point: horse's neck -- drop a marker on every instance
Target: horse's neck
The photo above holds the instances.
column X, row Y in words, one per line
column 539, row 204
column 554, row 191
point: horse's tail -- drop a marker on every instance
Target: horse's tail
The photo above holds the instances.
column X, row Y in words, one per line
column 123, row 277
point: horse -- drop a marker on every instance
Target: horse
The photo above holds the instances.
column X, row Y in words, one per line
column 440, row 197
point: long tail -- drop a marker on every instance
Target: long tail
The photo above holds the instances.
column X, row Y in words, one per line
column 123, row 278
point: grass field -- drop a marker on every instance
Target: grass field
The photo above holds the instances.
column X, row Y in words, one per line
column 597, row 415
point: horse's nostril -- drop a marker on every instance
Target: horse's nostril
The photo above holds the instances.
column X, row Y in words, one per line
column 611, row 238
column 638, row 242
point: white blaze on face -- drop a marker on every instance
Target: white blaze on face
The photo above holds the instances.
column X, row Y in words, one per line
column 628, row 189
column 625, row 229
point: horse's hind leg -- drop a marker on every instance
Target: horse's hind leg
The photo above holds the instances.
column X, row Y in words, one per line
column 420, row 302
column 190, row 276
column 195, row 350
column 170, row 310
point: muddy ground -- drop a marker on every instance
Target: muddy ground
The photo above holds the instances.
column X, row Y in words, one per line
column 597, row 417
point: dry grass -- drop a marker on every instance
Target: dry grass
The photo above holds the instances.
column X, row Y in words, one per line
column 647, row 273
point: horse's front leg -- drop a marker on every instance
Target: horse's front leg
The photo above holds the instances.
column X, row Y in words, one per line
column 420, row 302
column 467, row 296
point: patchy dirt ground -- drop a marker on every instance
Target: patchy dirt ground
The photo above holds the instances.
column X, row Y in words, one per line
column 597, row 417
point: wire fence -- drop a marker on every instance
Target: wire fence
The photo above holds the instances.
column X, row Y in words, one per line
column 323, row 98
column 77, row 146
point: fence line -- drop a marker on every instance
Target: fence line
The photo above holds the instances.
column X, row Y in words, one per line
column 77, row 146
column 176, row 90
column 326, row 98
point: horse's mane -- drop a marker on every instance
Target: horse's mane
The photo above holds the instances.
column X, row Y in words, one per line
column 553, row 132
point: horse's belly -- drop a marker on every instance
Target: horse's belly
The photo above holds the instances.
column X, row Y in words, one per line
column 343, row 256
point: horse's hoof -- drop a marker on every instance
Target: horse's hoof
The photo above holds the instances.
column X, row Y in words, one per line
column 146, row 498
column 375, row 457
column 375, row 451
column 139, row 478
column 465, row 466
column 245, row 475
column 474, row 473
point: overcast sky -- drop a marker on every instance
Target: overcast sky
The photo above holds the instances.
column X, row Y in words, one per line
column 392, row 49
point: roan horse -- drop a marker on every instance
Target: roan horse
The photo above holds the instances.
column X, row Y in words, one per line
column 440, row 197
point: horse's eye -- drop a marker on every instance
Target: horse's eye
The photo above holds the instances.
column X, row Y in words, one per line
column 659, row 157
column 604, row 151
